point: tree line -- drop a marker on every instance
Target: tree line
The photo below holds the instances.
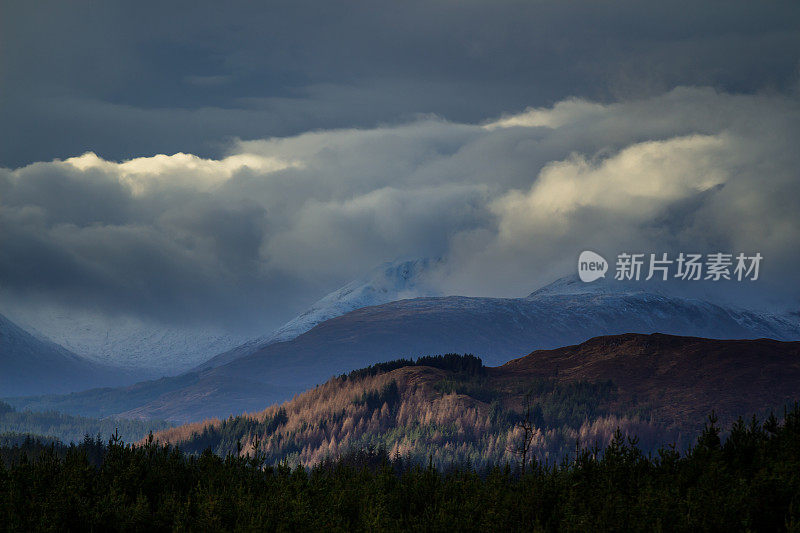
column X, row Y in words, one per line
column 71, row 428
column 746, row 481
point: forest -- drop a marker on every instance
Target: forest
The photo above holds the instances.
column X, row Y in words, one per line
column 745, row 479
column 71, row 428
column 445, row 407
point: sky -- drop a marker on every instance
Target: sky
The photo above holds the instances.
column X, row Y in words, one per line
column 230, row 163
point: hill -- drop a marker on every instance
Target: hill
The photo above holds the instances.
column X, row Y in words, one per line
column 658, row 387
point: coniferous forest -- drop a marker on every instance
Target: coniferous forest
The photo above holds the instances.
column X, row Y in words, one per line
column 746, row 478
column 70, row 428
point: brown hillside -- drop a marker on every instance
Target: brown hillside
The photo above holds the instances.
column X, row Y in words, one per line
column 659, row 387
column 682, row 378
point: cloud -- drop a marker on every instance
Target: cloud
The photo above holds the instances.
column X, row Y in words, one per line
column 133, row 79
column 255, row 235
column 633, row 183
column 565, row 112
column 387, row 222
column 724, row 191
column 179, row 171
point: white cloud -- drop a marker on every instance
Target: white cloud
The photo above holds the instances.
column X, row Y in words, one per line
column 144, row 174
column 634, row 185
column 279, row 221
column 565, row 112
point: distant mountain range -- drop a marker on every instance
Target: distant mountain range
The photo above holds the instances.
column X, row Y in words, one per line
column 659, row 387
column 30, row 365
column 169, row 350
column 496, row 329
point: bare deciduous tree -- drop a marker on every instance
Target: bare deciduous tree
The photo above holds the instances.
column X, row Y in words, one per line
column 526, row 425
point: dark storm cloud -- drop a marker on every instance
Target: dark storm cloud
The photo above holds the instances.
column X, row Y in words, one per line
column 137, row 78
column 131, row 239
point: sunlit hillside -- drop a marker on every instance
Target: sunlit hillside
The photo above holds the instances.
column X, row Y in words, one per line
column 453, row 409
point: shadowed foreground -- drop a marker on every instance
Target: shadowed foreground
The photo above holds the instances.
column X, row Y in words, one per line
column 751, row 481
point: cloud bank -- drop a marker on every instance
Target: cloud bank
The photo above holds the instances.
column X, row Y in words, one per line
column 254, row 236
column 128, row 79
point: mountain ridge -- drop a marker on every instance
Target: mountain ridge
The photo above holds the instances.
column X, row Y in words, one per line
column 496, row 329
column 659, row 387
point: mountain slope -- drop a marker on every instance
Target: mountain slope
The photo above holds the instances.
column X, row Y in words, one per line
column 29, row 365
column 682, row 378
column 495, row 329
column 127, row 341
column 389, row 282
column 660, row 387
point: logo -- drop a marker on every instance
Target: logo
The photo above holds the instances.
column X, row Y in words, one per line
column 715, row 266
column 591, row 266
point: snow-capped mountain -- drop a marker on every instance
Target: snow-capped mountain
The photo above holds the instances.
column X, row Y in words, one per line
column 572, row 285
column 655, row 307
column 126, row 341
column 397, row 280
column 392, row 281
column 168, row 350
column 29, row 365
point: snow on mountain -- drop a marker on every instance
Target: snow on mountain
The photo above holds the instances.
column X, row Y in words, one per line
column 30, row 365
column 495, row 329
column 168, row 350
column 126, row 341
column 573, row 298
column 572, row 285
column 563, row 301
column 397, row 280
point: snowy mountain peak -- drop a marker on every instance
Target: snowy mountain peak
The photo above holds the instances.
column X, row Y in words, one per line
column 391, row 281
column 572, row 285
column 31, row 365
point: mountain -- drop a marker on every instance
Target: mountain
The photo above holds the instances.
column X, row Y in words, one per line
column 392, row 281
column 659, row 387
column 496, row 329
column 170, row 350
column 389, row 282
column 127, row 341
column 567, row 301
column 29, row 365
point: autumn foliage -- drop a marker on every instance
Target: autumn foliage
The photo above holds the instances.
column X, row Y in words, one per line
column 445, row 408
